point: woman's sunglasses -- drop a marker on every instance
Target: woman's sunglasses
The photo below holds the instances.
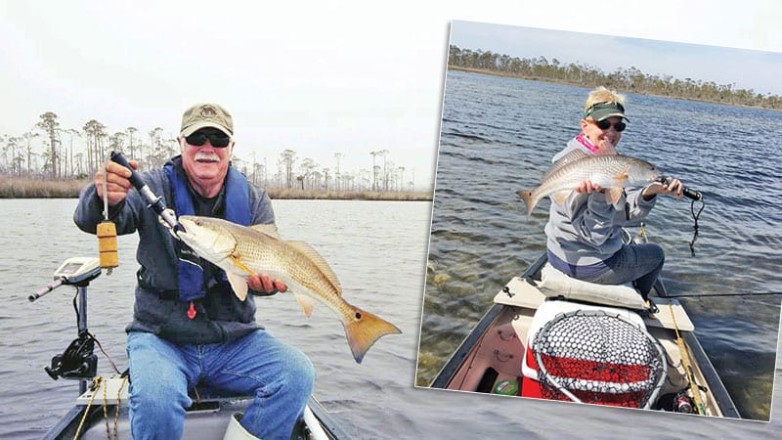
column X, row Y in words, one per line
column 605, row 124
column 218, row 140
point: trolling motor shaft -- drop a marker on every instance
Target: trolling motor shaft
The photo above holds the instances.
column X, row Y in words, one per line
column 155, row 202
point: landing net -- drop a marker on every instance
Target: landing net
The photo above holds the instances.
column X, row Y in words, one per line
column 596, row 357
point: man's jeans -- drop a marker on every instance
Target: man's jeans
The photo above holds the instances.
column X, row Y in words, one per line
column 278, row 375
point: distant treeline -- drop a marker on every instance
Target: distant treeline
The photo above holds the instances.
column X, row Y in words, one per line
column 629, row 79
column 47, row 188
column 50, row 151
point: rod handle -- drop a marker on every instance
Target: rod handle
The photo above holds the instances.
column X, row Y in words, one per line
column 687, row 192
column 155, row 202
column 135, row 177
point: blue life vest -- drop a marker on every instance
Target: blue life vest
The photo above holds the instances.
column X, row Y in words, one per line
column 190, row 274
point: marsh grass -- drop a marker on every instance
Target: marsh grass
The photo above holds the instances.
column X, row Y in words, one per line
column 347, row 195
column 31, row 188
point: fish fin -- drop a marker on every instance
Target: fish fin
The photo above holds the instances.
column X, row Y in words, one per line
column 363, row 329
column 527, row 197
column 306, row 303
column 606, row 151
column 613, row 195
column 319, row 261
column 569, row 157
column 237, row 260
column 269, row 229
column 560, row 196
column 621, row 178
column 238, row 284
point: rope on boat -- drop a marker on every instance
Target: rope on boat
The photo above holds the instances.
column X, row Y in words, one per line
column 116, row 410
column 686, row 363
column 739, row 294
column 97, row 382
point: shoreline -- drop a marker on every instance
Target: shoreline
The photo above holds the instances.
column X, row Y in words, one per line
column 32, row 188
column 573, row 84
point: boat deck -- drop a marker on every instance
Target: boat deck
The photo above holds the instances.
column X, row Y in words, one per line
column 205, row 419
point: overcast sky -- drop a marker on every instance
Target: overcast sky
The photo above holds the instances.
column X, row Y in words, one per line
column 326, row 77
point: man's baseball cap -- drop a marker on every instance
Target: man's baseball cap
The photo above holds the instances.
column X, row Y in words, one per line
column 206, row 115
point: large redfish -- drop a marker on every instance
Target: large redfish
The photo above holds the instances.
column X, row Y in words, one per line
column 612, row 172
column 241, row 251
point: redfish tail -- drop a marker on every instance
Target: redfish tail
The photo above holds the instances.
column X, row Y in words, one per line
column 363, row 329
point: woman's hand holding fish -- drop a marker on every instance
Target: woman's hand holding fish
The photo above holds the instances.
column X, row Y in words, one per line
column 117, row 181
column 588, row 187
column 264, row 283
column 673, row 187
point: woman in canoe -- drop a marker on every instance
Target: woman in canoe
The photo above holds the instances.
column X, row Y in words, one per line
column 584, row 237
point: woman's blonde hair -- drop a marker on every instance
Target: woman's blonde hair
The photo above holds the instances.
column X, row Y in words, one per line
column 602, row 94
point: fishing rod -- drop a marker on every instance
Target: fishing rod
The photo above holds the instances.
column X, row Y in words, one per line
column 695, row 196
column 155, row 202
column 739, row 294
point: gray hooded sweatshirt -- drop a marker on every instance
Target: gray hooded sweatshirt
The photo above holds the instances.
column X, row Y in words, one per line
column 585, row 229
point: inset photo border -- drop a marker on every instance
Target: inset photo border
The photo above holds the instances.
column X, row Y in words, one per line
column 499, row 318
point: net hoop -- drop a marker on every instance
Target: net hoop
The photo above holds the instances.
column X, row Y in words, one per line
column 606, row 358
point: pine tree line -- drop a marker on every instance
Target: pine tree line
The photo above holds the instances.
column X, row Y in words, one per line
column 625, row 79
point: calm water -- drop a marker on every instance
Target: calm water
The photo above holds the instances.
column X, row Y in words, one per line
column 376, row 248
column 498, row 135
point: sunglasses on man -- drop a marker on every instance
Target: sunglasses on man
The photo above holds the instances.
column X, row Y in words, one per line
column 218, row 139
column 605, row 124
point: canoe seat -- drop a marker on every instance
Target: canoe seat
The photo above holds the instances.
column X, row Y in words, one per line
column 555, row 284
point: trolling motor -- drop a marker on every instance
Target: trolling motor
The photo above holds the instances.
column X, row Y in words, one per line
column 695, row 196
column 78, row 361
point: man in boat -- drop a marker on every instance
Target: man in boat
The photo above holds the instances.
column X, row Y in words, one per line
column 188, row 326
column 584, row 237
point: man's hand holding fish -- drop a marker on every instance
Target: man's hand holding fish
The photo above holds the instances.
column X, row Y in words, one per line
column 263, row 283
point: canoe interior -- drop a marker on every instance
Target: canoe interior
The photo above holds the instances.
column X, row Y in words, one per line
column 493, row 352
